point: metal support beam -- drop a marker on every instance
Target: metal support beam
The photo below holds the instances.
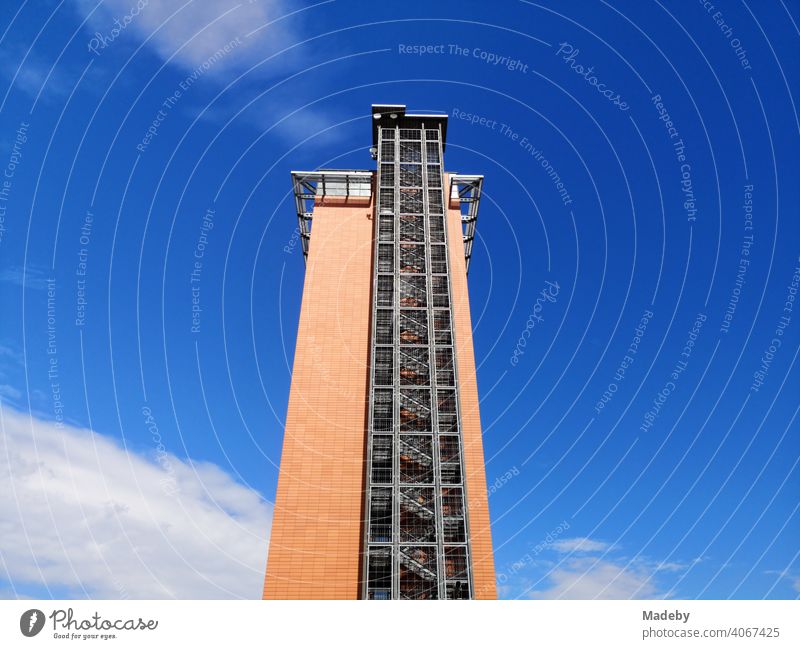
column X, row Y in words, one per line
column 467, row 191
column 309, row 186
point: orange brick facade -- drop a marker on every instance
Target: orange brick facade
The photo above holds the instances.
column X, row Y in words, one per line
column 315, row 546
column 314, row 549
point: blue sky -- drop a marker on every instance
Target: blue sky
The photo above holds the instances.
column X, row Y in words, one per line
column 131, row 147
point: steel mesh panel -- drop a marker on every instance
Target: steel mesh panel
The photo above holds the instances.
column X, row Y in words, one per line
column 413, row 327
column 382, row 449
column 387, row 177
column 384, row 364
column 387, row 200
column 415, row 410
column 385, row 258
column 380, row 515
column 379, row 573
column 436, row 228
column 412, row 258
column 455, row 562
column 457, row 590
column 385, row 295
column 384, row 327
column 410, row 175
column 382, row 410
column 441, row 327
column 411, row 200
column 416, row 459
column 410, row 152
column 386, row 228
column 453, row 529
column 435, row 200
column 449, row 448
column 438, row 258
column 450, row 458
column 432, row 152
column 445, row 373
column 434, row 176
column 417, row 515
column 450, row 473
column 410, row 134
column 415, row 500
column 414, row 366
column 418, row 572
column 412, row 291
column 446, row 408
column 440, row 290
column 412, row 227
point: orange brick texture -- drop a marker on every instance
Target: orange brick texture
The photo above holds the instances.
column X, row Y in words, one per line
column 483, row 574
column 315, row 544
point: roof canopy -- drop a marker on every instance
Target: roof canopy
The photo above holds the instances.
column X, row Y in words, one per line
column 387, row 115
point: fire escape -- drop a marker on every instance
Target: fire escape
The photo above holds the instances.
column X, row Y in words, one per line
column 416, row 528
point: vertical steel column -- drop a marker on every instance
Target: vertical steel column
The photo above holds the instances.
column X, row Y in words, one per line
column 456, row 383
column 369, row 544
column 437, row 468
column 396, row 372
column 434, row 382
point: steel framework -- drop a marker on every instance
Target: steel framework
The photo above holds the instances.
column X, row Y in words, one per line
column 467, row 191
column 416, row 534
column 310, row 186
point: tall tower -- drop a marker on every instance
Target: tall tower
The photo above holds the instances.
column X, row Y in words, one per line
column 382, row 487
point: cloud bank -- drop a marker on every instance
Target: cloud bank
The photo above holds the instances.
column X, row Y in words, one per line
column 586, row 568
column 589, row 578
column 82, row 516
column 188, row 32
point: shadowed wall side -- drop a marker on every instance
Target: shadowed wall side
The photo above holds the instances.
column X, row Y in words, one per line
column 483, row 573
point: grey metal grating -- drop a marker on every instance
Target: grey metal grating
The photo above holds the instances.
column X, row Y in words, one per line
column 414, row 460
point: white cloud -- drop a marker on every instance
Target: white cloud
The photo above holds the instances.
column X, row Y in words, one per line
column 11, row 360
column 30, row 277
column 793, row 579
column 673, row 566
column 8, row 391
column 79, row 513
column 29, row 72
column 588, row 578
column 579, row 544
column 194, row 31
column 592, row 569
column 260, row 38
